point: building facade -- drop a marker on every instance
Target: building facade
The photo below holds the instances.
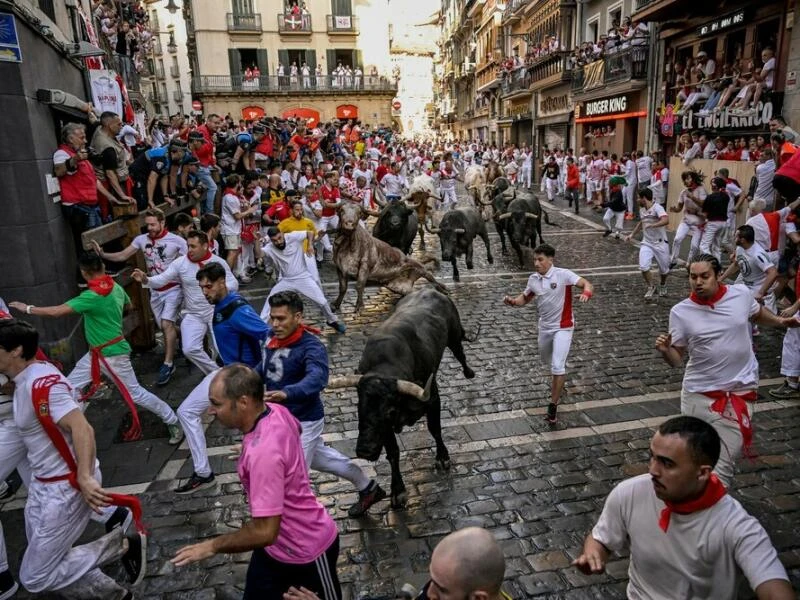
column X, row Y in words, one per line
column 322, row 59
column 168, row 61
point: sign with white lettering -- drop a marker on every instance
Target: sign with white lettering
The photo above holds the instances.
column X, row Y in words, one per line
column 606, row 106
column 758, row 119
column 720, row 23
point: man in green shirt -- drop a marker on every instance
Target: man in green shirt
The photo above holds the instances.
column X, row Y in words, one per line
column 102, row 306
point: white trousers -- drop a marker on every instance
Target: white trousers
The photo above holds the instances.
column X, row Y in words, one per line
column 698, row 405
column 326, row 223
column 166, row 305
column 3, row 553
column 190, row 414
column 13, row 453
column 713, row 232
column 449, row 198
column 790, row 356
column 193, row 333
column 81, row 376
column 554, row 348
column 618, row 218
column 659, row 252
column 525, row 176
column 683, row 230
column 627, row 193
column 306, row 286
column 56, row 515
column 329, row 460
column 551, row 186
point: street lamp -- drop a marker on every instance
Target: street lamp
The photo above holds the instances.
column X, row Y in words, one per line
column 172, row 7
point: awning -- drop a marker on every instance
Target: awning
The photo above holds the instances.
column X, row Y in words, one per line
column 252, row 113
column 309, row 114
column 346, row 111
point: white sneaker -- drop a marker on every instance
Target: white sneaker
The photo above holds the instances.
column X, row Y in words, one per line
column 651, row 291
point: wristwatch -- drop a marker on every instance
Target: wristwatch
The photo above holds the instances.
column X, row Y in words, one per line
column 29, row 308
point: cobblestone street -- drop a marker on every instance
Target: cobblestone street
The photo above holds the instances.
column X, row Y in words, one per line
column 538, row 489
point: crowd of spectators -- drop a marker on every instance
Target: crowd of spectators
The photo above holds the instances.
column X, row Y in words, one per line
column 619, row 37
column 124, row 27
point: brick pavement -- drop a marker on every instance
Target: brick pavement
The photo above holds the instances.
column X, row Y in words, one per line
column 539, row 490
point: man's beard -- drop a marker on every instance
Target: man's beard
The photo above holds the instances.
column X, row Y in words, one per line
column 279, row 246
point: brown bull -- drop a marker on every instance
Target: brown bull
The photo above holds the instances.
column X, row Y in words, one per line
column 421, row 191
column 367, row 259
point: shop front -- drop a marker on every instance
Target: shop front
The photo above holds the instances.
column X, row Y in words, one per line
column 614, row 123
column 520, row 120
column 553, row 119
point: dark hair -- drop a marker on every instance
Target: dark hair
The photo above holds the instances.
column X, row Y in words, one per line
column 233, row 180
column 719, row 183
column 198, row 235
column 296, row 203
column 710, row 259
column 545, row 249
column 213, row 272
column 155, row 212
column 272, row 231
column 747, row 233
column 14, row 333
column 288, row 298
column 240, row 380
column 701, row 438
column 208, row 221
column 646, row 193
column 107, row 116
column 182, row 220
column 90, row 262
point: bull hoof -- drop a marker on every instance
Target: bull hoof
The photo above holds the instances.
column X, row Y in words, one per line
column 490, row 259
column 442, row 464
column 400, row 500
column 470, row 266
column 456, row 278
column 469, row 373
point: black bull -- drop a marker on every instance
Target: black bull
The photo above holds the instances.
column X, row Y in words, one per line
column 397, row 378
column 523, row 222
column 397, row 226
column 457, row 231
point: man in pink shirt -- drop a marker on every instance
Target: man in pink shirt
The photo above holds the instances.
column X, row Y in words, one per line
column 294, row 540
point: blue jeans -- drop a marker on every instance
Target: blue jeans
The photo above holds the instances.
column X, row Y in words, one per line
column 204, row 175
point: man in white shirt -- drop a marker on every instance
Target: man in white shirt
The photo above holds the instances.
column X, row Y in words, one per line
column 693, row 218
column 644, row 169
column 552, row 288
column 713, row 328
column 197, row 312
column 687, row 537
column 754, row 267
column 160, row 247
column 394, row 184
column 704, row 69
column 765, row 173
column 630, row 176
column 527, row 168
column 770, row 227
column 764, row 80
column 286, row 254
column 231, row 221
column 653, row 221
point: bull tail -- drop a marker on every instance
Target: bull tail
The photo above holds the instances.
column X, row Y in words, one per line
column 473, row 337
column 547, row 219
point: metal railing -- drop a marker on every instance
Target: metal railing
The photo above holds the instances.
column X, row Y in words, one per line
column 550, row 65
column 243, row 22
column 289, row 23
column 275, row 83
column 512, row 7
column 342, row 23
column 157, row 50
column 516, row 81
column 640, row 4
column 174, row 71
column 160, row 98
column 625, row 65
column 125, row 67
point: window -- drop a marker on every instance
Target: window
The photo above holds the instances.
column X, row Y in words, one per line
column 46, row 6
column 766, row 37
column 592, row 29
column 614, row 16
column 243, row 7
column 734, row 46
column 341, row 8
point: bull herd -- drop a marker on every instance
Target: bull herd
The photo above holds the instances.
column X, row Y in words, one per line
column 396, row 377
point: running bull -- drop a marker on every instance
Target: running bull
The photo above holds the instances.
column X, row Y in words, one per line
column 397, row 378
column 523, row 221
column 358, row 255
column 457, row 231
column 498, row 199
column 397, row 226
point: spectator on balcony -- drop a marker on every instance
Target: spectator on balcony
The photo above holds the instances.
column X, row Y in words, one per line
column 293, row 73
column 305, row 72
column 358, row 74
column 280, row 72
column 126, row 41
column 703, row 72
column 348, row 77
column 762, row 80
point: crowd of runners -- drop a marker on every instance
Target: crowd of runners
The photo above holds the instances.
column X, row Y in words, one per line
column 269, row 194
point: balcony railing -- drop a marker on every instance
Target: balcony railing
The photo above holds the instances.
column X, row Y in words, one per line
column 159, row 72
column 625, row 65
column 511, row 9
column 640, row 4
column 177, row 95
column 516, row 81
column 174, row 71
column 342, row 24
column 289, row 23
column 124, row 66
column 546, row 67
column 221, row 84
column 161, row 98
column 157, row 46
column 244, row 22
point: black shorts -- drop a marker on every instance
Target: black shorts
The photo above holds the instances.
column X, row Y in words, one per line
column 269, row 579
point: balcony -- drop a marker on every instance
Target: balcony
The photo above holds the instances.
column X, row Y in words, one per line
column 244, row 23
column 127, row 70
column 161, row 98
column 159, row 72
column 272, row 84
column 289, row 24
column 619, row 67
column 157, row 50
column 342, row 24
column 177, row 95
column 662, row 10
column 175, row 72
column 550, row 70
column 516, row 83
column 512, row 12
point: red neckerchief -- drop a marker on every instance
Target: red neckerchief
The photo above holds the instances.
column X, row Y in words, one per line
column 274, row 342
column 711, row 495
column 202, row 261
column 711, row 301
column 163, row 233
column 101, row 285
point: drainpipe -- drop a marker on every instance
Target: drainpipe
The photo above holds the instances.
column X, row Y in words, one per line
column 654, row 72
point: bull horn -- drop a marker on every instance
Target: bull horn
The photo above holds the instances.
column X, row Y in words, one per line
column 343, row 381
column 489, row 203
column 430, row 229
column 460, row 230
column 412, row 389
column 530, row 216
column 504, row 216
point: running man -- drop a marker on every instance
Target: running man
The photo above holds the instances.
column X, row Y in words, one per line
column 690, row 202
column 653, row 220
column 160, row 247
column 102, row 306
column 754, row 267
column 197, row 313
column 551, row 286
column 712, row 327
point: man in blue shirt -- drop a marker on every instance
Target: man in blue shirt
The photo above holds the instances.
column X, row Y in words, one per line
column 157, row 166
column 239, row 334
column 245, row 143
column 295, row 371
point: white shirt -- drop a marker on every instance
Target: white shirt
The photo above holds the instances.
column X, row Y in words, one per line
column 287, row 181
column 183, row 270
column 159, row 253
column 365, row 174
column 106, row 95
column 697, row 217
column 699, row 556
column 718, row 341
column 644, row 169
column 393, row 184
column 231, row 205
column 708, row 70
column 290, row 263
column 309, row 206
column 763, row 236
column 653, row 236
column 45, row 461
column 753, row 264
column 709, row 150
column 630, row 172
column 553, row 293
column 769, row 70
column 765, row 173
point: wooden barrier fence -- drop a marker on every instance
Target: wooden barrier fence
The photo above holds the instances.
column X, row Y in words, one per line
column 138, row 325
